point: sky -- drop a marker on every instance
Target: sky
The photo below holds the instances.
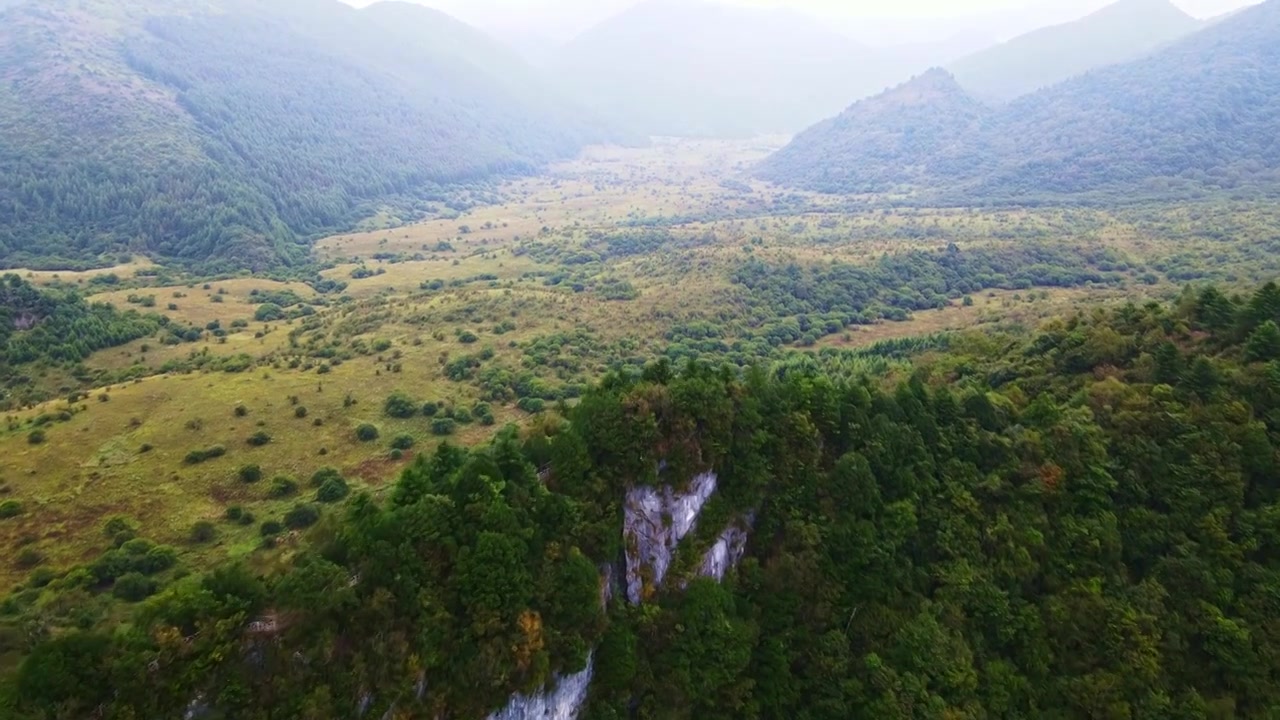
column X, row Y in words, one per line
column 879, row 22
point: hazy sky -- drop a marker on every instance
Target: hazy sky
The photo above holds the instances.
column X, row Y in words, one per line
column 873, row 21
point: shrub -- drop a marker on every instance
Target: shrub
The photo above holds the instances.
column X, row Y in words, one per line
column 302, row 516
column 241, row 411
column 532, row 406
column 157, row 559
column 333, row 490
column 366, row 433
column 10, row 509
column 443, row 426
column 36, row 437
column 400, row 405
column 29, row 558
column 484, row 413
column 271, row 528
column 133, row 587
column 430, row 409
column 462, row 415
column 247, row 519
column 250, row 474
column 467, row 337
column 324, row 474
column 198, row 456
column 116, row 525
column 397, row 454
column 203, row 532
column 300, row 412
column 41, row 577
column 234, row 513
column 259, row 438
column 402, row 442
column 282, row 487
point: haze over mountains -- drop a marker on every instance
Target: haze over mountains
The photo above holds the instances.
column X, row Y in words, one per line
column 1123, row 31
column 237, row 130
column 1197, row 116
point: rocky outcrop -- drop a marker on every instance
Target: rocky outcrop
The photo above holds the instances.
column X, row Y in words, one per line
column 563, row 701
column 654, row 523
column 730, row 546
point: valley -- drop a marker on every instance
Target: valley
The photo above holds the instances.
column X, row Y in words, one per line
column 600, row 265
column 356, row 364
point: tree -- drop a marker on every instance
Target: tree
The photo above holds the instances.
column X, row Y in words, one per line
column 1264, row 343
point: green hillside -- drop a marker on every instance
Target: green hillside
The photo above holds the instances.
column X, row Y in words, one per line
column 1196, row 118
column 1120, row 32
column 236, row 130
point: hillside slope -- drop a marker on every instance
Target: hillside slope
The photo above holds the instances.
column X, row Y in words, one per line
column 702, row 69
column 1120, row 32
column 1199, row 116
column 924, row 119
column 232, row 129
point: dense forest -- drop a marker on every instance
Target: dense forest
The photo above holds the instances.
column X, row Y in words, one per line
column 238, row 134
column 1078, row 522
column 59, row 328
column 1191, row 119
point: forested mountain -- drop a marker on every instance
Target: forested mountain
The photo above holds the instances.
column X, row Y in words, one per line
column 1081, row 522
column 675, row 67
column 1199, row 116
column 233, row 129
column 926, row 116
column 1123, row 31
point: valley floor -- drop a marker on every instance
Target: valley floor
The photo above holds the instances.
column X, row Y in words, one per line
column 500, row 313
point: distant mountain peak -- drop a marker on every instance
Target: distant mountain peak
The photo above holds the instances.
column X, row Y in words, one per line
column 1122, row 31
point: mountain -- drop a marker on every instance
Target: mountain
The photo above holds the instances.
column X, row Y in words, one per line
column 688, row 67
column 1199, row 116
column 232, row 129
column 1120, row 32
column 923, row 118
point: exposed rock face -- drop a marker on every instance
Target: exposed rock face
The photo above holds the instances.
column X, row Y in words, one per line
column 656, row 520
column 728, row 550
column 564, row 702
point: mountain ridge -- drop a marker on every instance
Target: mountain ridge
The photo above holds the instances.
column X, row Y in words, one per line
column 1194, row 117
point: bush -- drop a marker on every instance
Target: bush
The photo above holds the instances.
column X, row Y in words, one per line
column 259, row 438
column 443, row 426
column 300, row 412
column 462, row 415
column 198, row 456
column 324, row 474
column 467, row 337
column 36, row 437
column 400, row 405
column 484, row 413
column 366, row 433
column 271, row 528
column 250, row 474
column 41, row 577
column 241, row 411
column 430, row 409
column 247, row 519
column 203, row 532
column 133, row 587
column 302, row 516
column 10, row 509
column 396, row 454
column 234, row 513
column 532, row 406
column 282, row 487
column 29, row 558
column 402, row 442
column 333, row 490
column 116, row 525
